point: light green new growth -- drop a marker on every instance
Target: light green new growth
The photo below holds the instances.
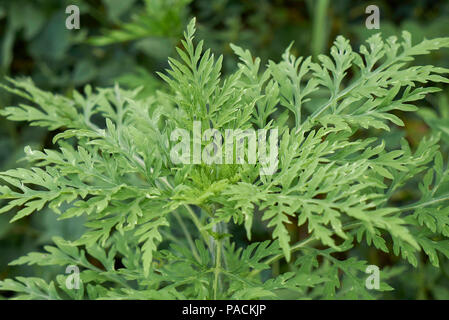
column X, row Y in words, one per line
column 166, row 223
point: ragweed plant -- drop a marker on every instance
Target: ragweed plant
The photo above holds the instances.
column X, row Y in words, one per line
column 159, row 230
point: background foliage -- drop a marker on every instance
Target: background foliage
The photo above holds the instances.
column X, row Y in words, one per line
column 128, row 41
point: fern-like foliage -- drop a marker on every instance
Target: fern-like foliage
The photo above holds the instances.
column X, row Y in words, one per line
column 159, row 230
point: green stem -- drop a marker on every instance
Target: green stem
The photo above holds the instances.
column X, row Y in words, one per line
column 335, row 98
column 188, row 236
column 113, row 277
column 192, row 215
column 298, row 246
column 319, row 27
column 217, row 267
column 424, row 204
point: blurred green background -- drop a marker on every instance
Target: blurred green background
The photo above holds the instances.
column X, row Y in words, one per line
column 127, row 41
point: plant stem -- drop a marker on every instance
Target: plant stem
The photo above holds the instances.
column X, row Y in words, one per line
column 319, row 26
column 355, row 84
column 217, row 267
column 424, row 204
column 298, row 246
column 188, row 236
column 192, row 215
